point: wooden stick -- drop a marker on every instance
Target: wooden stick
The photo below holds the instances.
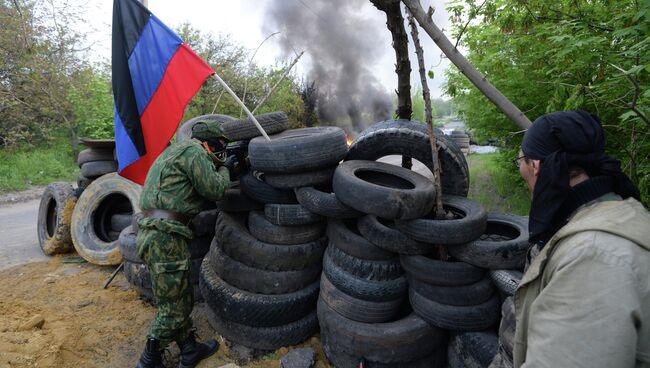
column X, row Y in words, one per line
column 429, row 116
column 250, row 115
column 110, row 279
column 286, row 72
column 479, row 80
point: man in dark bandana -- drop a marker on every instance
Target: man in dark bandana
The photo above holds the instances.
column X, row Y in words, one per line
column 584, row 300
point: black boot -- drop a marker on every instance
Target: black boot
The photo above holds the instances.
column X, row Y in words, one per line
column 192, row 352
column 151, row 356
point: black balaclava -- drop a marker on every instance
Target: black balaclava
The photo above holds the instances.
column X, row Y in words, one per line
column 561, row 140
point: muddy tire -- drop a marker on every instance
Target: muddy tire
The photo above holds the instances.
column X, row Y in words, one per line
column 54, row 218
column 365, row 269
column 298, row 150
column 474, row 349
column 104, row 197
column 346, row 236
column 383, row 233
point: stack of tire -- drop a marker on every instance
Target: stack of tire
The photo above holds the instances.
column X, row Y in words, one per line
column 501, row 250
column 461, row 139
column 261, row 278
column 363, row 308
column 96, row 160
column 135, row 271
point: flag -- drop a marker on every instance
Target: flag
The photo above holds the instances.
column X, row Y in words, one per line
column 155, row 75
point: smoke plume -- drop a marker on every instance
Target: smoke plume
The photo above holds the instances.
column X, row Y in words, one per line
column 342, row 45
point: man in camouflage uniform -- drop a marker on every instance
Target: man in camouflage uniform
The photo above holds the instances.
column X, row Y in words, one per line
column 178, row 183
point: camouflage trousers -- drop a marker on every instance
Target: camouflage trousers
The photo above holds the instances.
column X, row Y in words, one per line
column 167, row 257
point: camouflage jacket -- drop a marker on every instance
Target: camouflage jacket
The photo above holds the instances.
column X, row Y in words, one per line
column 182, row 178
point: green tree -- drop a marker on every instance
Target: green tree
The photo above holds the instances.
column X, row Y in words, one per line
column 557, row 55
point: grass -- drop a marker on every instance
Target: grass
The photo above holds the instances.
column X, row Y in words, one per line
column 496, row 188
column 21, row 168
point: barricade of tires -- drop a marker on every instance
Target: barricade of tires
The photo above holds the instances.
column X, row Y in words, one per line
column 96, row 160
column 261, row 278
column 461, row 139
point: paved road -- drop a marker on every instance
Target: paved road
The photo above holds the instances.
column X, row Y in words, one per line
column 18, row 239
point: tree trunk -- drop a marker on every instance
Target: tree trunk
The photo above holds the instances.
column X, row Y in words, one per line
column 493, row 94
column 395, row 23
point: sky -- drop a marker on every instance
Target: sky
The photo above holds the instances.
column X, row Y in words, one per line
column 243, row 20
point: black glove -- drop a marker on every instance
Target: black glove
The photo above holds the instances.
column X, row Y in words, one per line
column 230, row 163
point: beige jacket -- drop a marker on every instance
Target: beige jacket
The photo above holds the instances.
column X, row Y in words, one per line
column 585, row 299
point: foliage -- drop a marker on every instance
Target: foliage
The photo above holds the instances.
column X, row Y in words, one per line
column 234, row 65
column 92, row 106
column 496, row 187
column 558, row 55
column 21, row 167
column 39, row 63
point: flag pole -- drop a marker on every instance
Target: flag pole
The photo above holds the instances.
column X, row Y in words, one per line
column 250, row 115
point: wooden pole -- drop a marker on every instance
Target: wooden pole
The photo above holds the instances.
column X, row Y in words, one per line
column 479, row 80
column 250, row 115
column 286, row 72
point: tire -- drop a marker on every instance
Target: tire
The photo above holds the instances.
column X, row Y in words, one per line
column 236, row 201
column 266, row 231
column 200, row 246
column 259, row 281
column 407, row 339
column 260, row 191
column 467, row 295
column 371, row 290
column 134, row 221
column 298, row 150
column 345, row 236
column 299, row 180
column 506, row 280
column 251, row 309
column 456, row 318
column 357, row 309
column 104, row 197
column 338, row 358
column 290, row 215
column 382, row 233
column 442, row 273
column 507, row 328
column 95, row 169
column 265, row 338
column 244, row 129
column 204, row 222
column 474, row 349
column 411, row 139
column 369, row 270
column 83, row 182
column 503, row 245
column 54, row 218
column 120, row 221
column 184, row 132
column 324, row 203
column 237, row 242
column 384, row 190
column 95, row 154
column 468, row 227
column 127, row 245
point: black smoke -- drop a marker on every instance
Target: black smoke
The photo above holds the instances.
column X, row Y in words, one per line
column 342, row 44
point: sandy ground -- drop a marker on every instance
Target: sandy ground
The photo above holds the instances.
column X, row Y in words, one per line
column 85, row 325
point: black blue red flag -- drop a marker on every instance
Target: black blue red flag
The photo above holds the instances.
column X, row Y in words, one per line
column 155, row 75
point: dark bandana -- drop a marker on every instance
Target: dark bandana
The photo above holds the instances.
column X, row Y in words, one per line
column 562, row 140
